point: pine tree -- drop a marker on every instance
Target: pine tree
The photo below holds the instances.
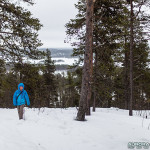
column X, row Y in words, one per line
column 88, row 65
column 18, row 31
column 133, row 17
column 50, row 83
column 108, row 18
column 111, row 36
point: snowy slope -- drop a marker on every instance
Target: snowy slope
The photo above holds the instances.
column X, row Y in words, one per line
column 55, row 129
column 58, row 61
column 65, row 61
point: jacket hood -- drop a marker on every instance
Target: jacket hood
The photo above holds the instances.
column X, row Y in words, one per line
column 19, row 85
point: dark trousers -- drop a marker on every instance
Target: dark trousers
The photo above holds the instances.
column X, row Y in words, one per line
column 20, row 111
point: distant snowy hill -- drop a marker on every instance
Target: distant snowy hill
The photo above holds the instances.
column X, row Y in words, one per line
column 56, row 129
column 60, row 52
column 62, row 59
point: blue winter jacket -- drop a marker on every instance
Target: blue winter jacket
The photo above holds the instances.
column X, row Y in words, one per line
column 23, row 97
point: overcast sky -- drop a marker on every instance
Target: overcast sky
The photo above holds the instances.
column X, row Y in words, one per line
column 53, row 14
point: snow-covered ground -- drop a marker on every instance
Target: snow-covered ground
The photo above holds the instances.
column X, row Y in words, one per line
column 57, row 61
column 56, row 129
column 65, row 61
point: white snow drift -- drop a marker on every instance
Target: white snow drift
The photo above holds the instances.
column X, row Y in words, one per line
column 56, row 129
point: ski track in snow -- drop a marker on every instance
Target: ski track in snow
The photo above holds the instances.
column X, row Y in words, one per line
column 56, row 129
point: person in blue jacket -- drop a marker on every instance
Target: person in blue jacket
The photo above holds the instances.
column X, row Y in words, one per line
column 20, row 98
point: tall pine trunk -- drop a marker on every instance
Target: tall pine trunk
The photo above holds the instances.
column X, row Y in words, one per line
column 131, row 60
column 88, row 110
column 84, row 104
column 126, row 76
column 95, row 76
